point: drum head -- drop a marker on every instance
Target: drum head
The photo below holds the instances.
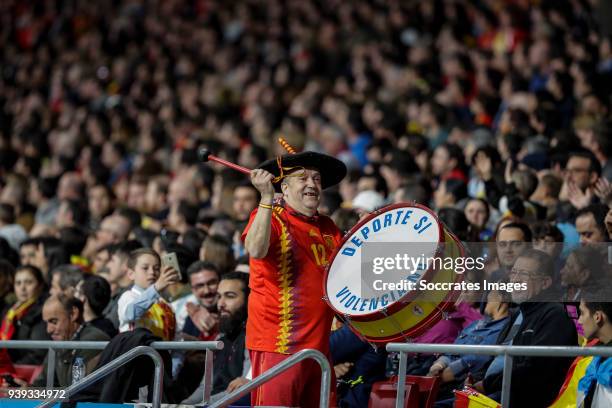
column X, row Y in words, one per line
column 368, row 258
column 414, row 230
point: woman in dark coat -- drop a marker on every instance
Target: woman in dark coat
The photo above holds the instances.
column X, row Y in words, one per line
column 23, row 320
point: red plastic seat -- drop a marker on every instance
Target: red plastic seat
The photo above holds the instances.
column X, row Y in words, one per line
column 428, row 389
column 384, row 392
column 420, row 392
column 28, row 372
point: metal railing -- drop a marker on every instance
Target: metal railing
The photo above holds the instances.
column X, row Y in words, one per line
column 281, row 368
column 507, row 351
column 53, row 346
column 158, row 379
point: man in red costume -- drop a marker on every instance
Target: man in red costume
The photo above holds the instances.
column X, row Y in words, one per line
column 289, row 246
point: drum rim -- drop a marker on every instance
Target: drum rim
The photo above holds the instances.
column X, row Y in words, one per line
column 408, row 297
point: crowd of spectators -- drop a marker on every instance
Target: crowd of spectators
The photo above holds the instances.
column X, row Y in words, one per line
column 495, row 113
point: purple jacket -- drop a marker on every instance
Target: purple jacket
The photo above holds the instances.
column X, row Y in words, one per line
column 447, row 330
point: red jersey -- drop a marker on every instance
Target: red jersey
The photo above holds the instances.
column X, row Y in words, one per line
column 287, row 312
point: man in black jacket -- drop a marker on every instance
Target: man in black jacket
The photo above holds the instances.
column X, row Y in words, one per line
column 539, row 321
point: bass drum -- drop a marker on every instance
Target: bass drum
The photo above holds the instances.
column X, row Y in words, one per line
column 381, row 305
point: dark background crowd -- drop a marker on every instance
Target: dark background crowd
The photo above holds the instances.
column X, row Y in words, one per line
column 491, row 112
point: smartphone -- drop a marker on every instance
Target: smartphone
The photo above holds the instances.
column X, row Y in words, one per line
column 172, row 260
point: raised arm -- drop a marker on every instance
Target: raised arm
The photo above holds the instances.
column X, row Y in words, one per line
column 257, row 240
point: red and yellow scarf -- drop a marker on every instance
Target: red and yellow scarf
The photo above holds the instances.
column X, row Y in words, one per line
column 16, row 312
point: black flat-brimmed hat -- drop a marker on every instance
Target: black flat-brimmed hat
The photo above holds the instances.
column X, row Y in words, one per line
column 332, row 170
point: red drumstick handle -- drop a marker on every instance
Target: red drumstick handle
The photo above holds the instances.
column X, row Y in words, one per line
column 206, row 156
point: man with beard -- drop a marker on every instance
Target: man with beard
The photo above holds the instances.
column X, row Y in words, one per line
column 232, row 363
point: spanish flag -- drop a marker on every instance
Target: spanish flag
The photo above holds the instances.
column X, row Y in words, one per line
column 470, row 398
column 569, row 390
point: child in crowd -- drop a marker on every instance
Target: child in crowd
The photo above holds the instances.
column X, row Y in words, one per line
column 142, row 305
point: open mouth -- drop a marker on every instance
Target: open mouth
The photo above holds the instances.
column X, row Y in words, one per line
column 311, row 194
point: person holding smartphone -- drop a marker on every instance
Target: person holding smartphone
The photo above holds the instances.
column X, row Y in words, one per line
column 142, row 305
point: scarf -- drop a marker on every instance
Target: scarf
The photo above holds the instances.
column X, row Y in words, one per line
column 15, row 313
column 599, row 370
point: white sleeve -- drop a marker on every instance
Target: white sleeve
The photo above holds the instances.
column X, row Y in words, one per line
column 126, row 298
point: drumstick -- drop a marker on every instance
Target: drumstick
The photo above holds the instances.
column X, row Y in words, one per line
column 205, row 156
